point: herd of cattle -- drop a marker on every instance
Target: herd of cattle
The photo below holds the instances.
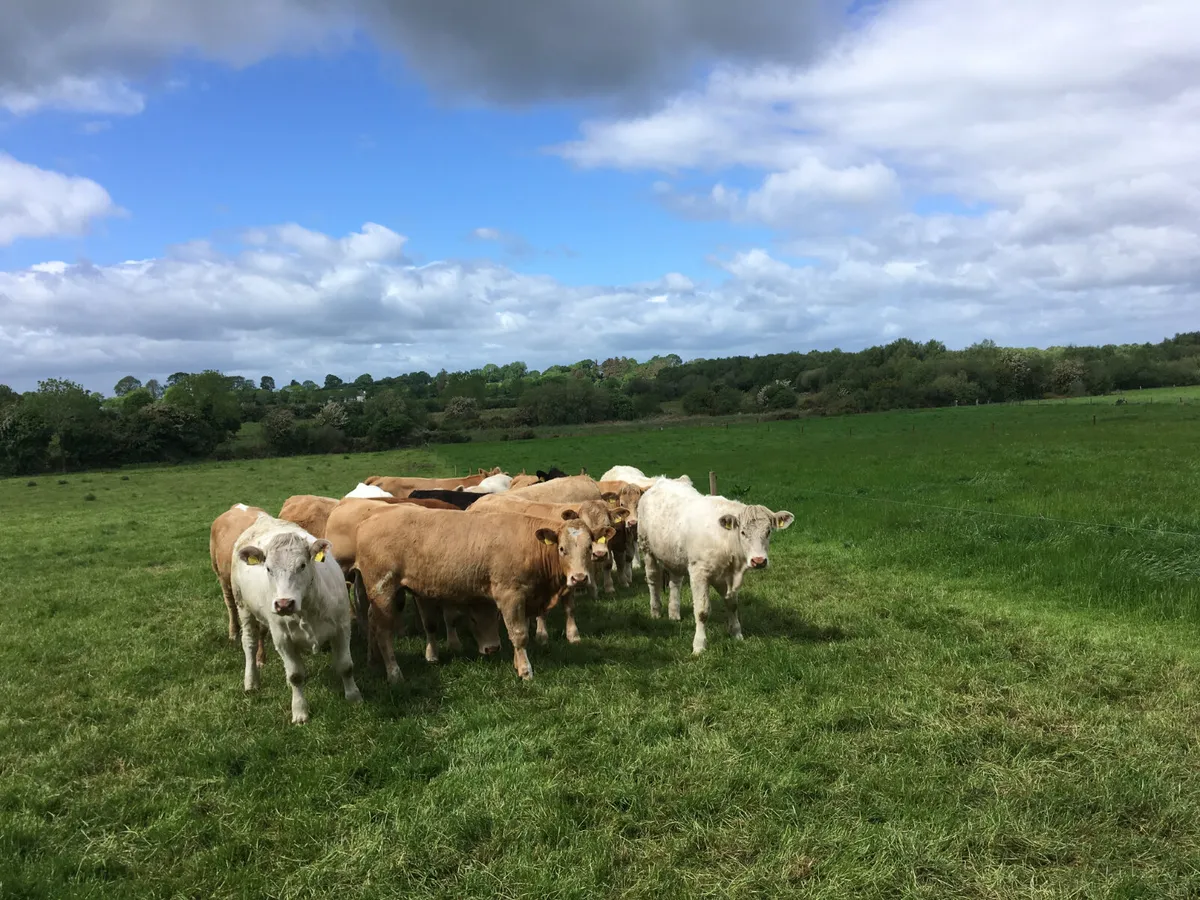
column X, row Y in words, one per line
column 485, row 547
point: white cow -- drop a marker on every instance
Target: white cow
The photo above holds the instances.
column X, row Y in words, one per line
column 287, row 581
column 713, row 540
column 366, row 492
column 634, row 475
column 493, row 484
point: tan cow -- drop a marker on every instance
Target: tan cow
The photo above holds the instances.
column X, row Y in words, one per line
column 226, row 529
column 309, row 511
column 402, row 485
column 572, row 489
column 625, row 544
column 521, row 563
column 523, row 481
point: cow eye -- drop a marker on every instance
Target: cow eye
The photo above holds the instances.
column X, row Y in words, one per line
column 302, row 565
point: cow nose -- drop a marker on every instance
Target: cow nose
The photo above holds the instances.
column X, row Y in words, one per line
column 489, row 649
column 758, row 562
column 285, row 607
column 599, row 553
column 579, row 578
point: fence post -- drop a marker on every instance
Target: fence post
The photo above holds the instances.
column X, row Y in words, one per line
column 583, row 470
column 712, row 483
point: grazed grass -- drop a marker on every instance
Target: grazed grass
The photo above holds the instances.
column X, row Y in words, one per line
column 928, row 703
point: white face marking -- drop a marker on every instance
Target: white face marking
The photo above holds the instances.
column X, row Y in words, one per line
column 242, row 506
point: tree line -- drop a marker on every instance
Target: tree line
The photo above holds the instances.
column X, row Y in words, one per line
column 210, row 415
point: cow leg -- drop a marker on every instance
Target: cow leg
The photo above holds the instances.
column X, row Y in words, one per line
column 293, row 664
column 654, row 581
column 637, row 558
column 231, row 607
column 673, row 603
column 731, row 604
column 343, row 662
column 543, row 633
column 569, row 608
column 607, row 566
column 427, row 612
column 380, row 629
column 450, row 617
column 516, row 622
column 250, row 636
column 260, row 655
column 700, row 610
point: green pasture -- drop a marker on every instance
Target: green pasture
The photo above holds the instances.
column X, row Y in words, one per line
column 971, row 671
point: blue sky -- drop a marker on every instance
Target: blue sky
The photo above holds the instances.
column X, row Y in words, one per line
column 588, row 184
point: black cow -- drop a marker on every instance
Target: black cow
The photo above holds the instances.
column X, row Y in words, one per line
column 461, row 499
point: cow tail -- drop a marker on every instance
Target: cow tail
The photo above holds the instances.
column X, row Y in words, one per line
column 361, row 601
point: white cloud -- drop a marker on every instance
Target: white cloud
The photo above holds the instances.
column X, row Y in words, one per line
column 106, row 96
column 38, row 203
column 297, row 303
column 1037, row 163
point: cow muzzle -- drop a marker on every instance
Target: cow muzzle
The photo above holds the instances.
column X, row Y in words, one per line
column 599, row 553
column 758, row 562
column 578, row 578
column 285, row 607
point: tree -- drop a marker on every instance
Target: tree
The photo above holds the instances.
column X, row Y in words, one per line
column 175, row 377
column 8, row 396
column 309, row 385
column 332, row 381
column 332, row 414
column 155, row 389
column 279, row 430
column 462, row 410
column 267, row 383
column 24, row 441
column 207, row 395
column 363, row 381
column 125, row 385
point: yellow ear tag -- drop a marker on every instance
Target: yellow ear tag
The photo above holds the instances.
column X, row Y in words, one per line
column 617, row 520
column 603, row 539
column 320, row 557
column 547, row 541
column 612, row 501
column 252, row 560
column 729, row 526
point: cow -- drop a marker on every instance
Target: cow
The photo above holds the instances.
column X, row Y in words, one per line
column 625, row 546
column 458, row 499
column 366, row 492
column 523, row 481
column 342, row 532
column 401, row 486
column 523, row 564
column 309, row 511
column 493, row 484
column 634, row 475
column 225, row 530
column 287, row 581
column 711, row 539
column 571, row 489
column 555, row 472
column 597, row 515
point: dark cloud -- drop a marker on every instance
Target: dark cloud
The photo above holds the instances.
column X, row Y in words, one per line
column 80, row 54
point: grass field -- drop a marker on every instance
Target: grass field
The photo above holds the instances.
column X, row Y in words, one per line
column 971, row 671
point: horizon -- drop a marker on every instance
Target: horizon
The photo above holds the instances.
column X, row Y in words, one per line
column 297, row 192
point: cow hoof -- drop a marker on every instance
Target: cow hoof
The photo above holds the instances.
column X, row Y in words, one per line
column 300, row 718
column 393, row 676
column 527, row 675
column 355, row 697
column 674, row 617
column 572, row 638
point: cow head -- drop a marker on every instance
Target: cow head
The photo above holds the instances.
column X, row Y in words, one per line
column 597, row 516
column 574, row 541
column 555, row 472
column 291, row 563
column 484, row 621
column 753, row 527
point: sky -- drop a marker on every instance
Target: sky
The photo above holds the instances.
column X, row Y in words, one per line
column 299, row 187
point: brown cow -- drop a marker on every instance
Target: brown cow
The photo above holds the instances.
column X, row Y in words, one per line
column 402, row 485
column 572, row 489
column 625, row 543
column 226, row 529
column 309, row 511
column 523, row 481
column 521, row 563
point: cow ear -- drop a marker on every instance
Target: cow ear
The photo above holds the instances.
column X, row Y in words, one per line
column 459, row 488
column 251, row 556
column 728, row 522
column 320, row 549
column 783, row 519
column 610, row 498
column 607, row 533
column 547, row 535
column 570, row 514
column 618, row 514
